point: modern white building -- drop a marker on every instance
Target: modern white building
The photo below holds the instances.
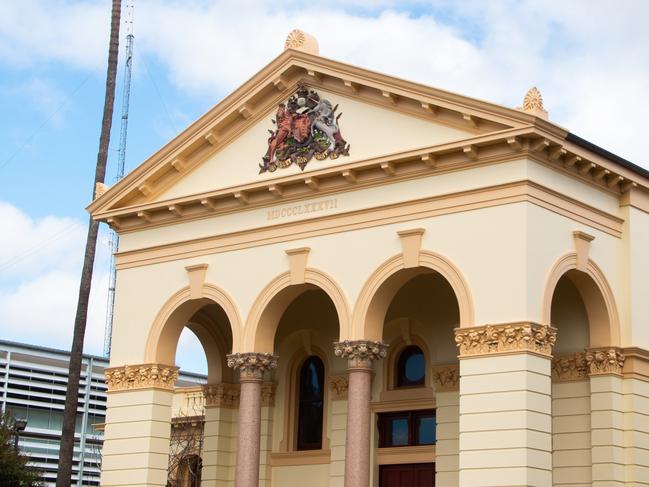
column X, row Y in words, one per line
column 33, row 380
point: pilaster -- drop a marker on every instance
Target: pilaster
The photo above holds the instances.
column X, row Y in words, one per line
column 338, row 386
column 138, row 425
column 221, row 414
column 446, row 381
column 571, row 429
column 505, row 405
column 607, row 415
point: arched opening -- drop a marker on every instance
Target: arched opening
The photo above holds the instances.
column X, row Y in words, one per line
column 416, row 311
column 195, row 334
column 581, row 314
column 303, row 338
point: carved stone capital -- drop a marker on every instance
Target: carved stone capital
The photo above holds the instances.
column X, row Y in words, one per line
column 446, row 378
column 144, row 376
column 360, row 353
column 268, row 394
column 510, row 337
column 222, row 395
column 604, row 361
column 252, row 365
column 566, row 368
column 338, row 385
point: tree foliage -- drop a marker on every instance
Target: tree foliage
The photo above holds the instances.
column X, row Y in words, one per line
column 14, row 471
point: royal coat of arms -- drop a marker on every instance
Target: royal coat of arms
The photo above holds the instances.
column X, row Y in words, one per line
column 306, row 127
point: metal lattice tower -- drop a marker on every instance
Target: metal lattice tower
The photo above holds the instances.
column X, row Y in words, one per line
column 114, row 237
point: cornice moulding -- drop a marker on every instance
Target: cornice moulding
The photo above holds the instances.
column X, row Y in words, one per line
column 259, row 93
column 407, row 165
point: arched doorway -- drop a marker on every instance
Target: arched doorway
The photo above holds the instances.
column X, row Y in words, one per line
column 299, row 324
column 418, row 311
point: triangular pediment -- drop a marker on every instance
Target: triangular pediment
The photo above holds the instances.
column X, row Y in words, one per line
column 369, row 131
column 381, row 119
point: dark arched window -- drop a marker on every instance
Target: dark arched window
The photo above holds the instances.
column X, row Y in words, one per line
column 411, row 367
column 311, row 404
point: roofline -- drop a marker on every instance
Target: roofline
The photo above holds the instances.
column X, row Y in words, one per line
column 607, row 154
column 40, row 348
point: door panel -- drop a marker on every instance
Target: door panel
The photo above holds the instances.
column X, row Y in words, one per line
column 407, row 475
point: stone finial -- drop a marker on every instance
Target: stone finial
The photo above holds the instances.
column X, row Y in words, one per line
column 360, row 353
column 100, row 189
column 252, row 365
column 533, row 103
column 301, row 41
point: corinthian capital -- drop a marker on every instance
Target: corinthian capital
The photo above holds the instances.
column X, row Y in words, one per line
column 142, row 376
column 510, row 337
column 603, row 361
column 252, row 365
column 360, row 353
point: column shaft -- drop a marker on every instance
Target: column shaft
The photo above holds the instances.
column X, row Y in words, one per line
column 359, row 354
column 252, row 367
column 357, row 438
column 247, row 471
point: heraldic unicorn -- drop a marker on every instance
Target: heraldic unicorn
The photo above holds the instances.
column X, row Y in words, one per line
column 306, row 127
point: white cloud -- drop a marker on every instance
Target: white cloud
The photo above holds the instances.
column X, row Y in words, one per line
column 40, row 272
column 589, row 57
column 37, row 31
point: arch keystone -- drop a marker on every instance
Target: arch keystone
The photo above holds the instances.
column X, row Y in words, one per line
column 297, row 259
column 196, row 274
column 582, row 247
column 411, row 246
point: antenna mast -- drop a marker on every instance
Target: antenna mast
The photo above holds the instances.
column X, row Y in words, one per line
column 114, row 237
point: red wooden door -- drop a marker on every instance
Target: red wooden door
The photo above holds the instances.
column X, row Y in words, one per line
column 409, row 475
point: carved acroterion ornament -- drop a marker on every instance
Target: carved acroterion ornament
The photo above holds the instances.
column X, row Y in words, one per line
column 301, row 41
column 306, row 126
column 533, row 103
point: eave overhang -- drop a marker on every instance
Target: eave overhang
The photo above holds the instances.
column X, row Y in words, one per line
column 526, row 142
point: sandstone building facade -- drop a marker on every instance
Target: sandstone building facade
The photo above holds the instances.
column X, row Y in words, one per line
column 400, row 286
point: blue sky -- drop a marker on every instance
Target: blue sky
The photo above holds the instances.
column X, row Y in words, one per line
column 588, row 58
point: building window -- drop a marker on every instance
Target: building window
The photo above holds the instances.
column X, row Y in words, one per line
column 411, row 367
column 407, row 428
column 310, row 404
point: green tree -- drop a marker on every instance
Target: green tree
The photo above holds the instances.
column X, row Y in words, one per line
column 14, row 471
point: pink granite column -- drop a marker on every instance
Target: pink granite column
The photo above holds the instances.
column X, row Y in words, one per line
column 251, row 368
column 359, row 355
